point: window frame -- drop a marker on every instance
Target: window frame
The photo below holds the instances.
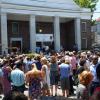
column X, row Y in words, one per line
column 84, row 42
column 13, row 27
column 85, row 25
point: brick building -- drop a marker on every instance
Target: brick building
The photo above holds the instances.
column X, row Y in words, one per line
column 27, row 24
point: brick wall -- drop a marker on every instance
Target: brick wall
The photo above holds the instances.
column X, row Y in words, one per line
column 0, row 34
column 23, row 33
column 68, row 35
column 86, row 34
column 47, row 27
column 67, row 31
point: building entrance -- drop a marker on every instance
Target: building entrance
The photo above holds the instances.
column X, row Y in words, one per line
column 16, row 45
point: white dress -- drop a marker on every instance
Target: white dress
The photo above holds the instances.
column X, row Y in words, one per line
column 47, row 75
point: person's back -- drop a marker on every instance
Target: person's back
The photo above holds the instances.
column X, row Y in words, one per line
column 28, row 64
column 18, row 78
column 82, row 91
column 64, row 77
column 53, row 67
column 64, row 70
column 34, row 78
column 73, row 62
column 38, row 64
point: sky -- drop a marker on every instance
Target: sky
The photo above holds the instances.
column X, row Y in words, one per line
column 97, row 12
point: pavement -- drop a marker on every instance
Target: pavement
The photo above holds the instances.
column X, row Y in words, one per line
column 58, row 97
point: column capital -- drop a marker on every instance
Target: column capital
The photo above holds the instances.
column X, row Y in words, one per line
column 3, row 13
column 32, row 15
column 57, row 17
column 78, row 17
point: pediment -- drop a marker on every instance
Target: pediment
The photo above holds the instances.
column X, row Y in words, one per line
column 59, row 4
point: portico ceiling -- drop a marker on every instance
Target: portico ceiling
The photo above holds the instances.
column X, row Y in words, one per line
column 38, row 18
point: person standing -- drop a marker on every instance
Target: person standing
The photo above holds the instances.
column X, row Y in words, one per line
column 53, row 74
column 75, row 47
column 34, row 78
column 18, row 78
column 46, row 79
column 64, row 76
column 93, row 71
column 82, row 91
column 96, row 83
column 1, row 79
column 6, row 69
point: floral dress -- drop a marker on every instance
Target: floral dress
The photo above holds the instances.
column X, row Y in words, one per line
column 6, row 83
column 34, row 87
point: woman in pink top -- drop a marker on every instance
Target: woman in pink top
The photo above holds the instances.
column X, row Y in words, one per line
column 73, row 62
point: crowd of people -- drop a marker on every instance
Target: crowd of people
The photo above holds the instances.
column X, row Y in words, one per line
column 42, row 73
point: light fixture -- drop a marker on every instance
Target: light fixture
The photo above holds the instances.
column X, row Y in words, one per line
column 40, row 30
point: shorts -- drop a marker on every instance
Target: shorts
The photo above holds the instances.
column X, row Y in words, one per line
column 54, row 78
column 65, row 84
column 19, row 88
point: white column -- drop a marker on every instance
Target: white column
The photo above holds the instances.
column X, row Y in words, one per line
column 78, row 33
column 57, row 33
column 32, row 33
column 4, row 37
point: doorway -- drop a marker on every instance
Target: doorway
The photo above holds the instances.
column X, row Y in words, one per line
column 16, row 44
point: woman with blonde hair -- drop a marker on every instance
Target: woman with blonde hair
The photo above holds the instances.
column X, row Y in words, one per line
column 34, row 78
column 85, row 79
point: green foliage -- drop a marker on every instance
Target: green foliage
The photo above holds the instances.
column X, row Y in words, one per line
column 91, row 4
column 87, row 4
column 32, row 55
column 93, row 22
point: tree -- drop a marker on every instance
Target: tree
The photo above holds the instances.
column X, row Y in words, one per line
column 91, row 4
column 87, row 4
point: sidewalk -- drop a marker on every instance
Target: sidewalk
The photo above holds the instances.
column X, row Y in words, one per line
column 58, row 97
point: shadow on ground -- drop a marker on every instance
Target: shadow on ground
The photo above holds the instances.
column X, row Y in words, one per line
column 57, row 98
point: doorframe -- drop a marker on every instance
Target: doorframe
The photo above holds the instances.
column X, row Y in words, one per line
column 16, row 39
column 85, row 43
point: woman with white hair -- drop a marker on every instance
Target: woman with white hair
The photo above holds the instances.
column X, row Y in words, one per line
column 46, row 76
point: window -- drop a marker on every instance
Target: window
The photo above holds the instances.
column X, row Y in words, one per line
column 83, row 27
column 98, row 28
column 15, row 27
column 84, row 35
column 84, row 43
column 94, row 28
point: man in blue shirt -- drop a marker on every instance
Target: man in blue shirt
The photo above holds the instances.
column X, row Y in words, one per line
column 18, row 78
